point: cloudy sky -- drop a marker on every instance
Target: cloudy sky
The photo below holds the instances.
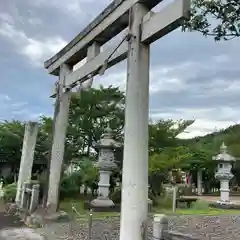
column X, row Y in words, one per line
column 192, row 77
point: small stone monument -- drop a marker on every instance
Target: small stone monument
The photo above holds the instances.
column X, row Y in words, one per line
column 223, row 173
column 30, row 197
column 106, row 164
column 1, row 190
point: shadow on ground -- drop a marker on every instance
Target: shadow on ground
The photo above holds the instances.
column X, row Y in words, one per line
column 9, row 221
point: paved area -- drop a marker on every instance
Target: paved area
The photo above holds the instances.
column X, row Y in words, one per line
column 20, row 234
column 201, row 227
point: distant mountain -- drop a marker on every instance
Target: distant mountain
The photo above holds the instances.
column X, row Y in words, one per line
column 230, row 136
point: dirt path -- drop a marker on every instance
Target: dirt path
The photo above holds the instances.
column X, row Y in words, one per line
column 8, row 221
column 12, row 228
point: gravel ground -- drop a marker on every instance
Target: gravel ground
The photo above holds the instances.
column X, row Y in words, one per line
column 203, row 227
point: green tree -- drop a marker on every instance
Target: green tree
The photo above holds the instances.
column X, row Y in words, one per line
column 160, row 164
column 164, row 134
column 89, row 174
column 90, row 113
column 11, row 138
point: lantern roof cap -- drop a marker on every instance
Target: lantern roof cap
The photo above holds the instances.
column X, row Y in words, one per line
column 106, row 140
column 224, row 156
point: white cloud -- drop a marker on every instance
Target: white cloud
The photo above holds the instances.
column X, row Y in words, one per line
column 221, row 87
column 34, row 21
column 161, row 79
column 207, row 120
column 36, row 50
column 6, row 17
column 221, row 58
column 26, row 113
column 4, row 97
column 18, row 105
column 70, row 7
column 202, row 127
column 116, row 79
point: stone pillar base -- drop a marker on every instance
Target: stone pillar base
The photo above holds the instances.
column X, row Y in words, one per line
column 102, row 202
column 224, row 202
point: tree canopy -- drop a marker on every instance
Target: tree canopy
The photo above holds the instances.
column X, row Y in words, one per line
column 217, row 18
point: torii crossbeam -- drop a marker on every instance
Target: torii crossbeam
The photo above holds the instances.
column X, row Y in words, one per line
column 144, row 27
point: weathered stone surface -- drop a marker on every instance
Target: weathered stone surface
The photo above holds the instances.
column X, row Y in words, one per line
column 20, row 234
column 38, row 220
column 179, row 236
column 102, row 202
column 11, row 208
column 25, row 171
column 225, row 206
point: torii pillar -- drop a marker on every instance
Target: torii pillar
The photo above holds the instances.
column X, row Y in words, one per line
column 28, row 148
column 58, row 145
column 60, row 129
column 135, row 157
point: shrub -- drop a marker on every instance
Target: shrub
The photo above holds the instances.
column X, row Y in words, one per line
column 152, row 196
column 116, row 195
column 165, row 201
column 70, row 185
column 200, row 205
column 184, row 191
column 10, row 192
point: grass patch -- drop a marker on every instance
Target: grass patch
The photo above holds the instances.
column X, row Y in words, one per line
column 164, row 207
column 198, row 208
column 82, row 214
column 206, row 212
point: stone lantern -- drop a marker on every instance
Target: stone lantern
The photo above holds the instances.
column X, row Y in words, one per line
column 106, row 164
column 223, row 173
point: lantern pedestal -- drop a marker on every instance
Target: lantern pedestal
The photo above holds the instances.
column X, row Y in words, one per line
column 103, row 201
column 224, row 178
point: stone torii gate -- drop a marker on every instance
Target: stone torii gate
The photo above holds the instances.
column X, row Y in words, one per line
column 144, row 27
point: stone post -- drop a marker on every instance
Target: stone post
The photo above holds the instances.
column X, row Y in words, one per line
column 199, row 182
column 189, row 180
column 223, row 174
column 160, row 226
column 174, row 198
column 134, row 205
column 25, row 195
column 1, row 190
column 58, row 145
column 106, row 165
column 34, row 198
column 29, row 143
